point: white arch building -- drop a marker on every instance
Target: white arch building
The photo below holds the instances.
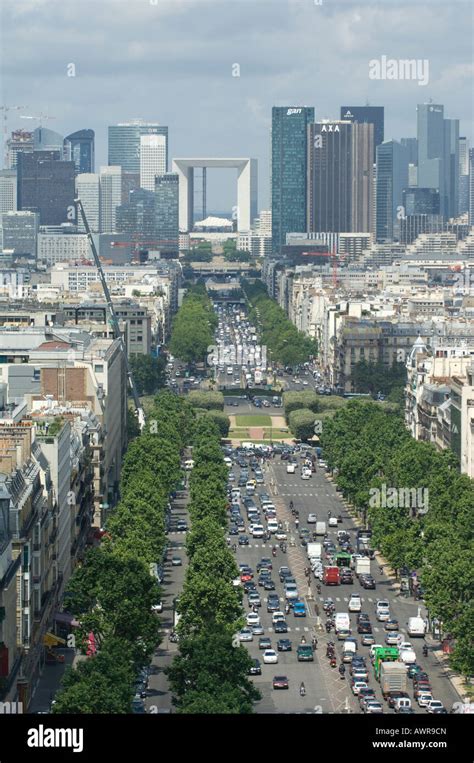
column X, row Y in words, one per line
column 247, row 182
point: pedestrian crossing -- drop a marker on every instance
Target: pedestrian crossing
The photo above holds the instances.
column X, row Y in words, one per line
column 296, row 629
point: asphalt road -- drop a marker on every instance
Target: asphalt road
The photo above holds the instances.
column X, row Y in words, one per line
column 325, row 690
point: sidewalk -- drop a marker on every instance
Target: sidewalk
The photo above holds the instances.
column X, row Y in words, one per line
column 49, row 683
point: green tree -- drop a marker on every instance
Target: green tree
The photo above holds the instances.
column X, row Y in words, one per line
column 148, row 373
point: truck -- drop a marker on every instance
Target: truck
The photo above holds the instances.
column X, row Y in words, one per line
column 304, row 653
column 320, row 528
column 384, row 654
column 393, row 677
column 331, row 576
column 362, row 566
column 416, row 626
column 314, row 550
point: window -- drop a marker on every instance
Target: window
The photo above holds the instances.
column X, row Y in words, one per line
column 98, row 369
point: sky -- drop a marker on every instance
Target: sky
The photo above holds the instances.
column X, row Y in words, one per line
column 175, row 61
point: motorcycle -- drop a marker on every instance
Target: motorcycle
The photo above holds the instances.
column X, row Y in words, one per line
column 314, row 643
column 174, row 637
column 425, row 650
column 333, row 662
column 318, row 588
column 274, row 552
column 328, row 627
column 302, row 690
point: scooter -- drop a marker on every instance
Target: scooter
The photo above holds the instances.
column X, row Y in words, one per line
column 333, row 662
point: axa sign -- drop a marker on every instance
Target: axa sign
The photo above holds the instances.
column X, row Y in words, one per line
column 330, row 128
column 293, row 111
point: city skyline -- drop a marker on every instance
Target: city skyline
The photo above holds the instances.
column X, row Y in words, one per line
column 216, row 98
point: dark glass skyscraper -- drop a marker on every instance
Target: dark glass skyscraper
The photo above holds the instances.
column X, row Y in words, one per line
column 421, row 201
column 438, row 155
column 371, row 114
column 289, row 170
column 392, row 178
column 80, row 144
column 330, row 173
column 46, row 185
column 137, row 217
column 167, row 212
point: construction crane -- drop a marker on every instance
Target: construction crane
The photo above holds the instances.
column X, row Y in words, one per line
column 115, row 325
column 5, row 110
column 38, row 118
column 335, row 259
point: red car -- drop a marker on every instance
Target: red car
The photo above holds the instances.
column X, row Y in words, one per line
column 245, row 577
column 280, row 682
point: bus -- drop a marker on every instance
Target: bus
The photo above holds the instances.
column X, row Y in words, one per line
column 343, row 559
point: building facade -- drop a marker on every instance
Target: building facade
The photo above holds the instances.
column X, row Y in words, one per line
column 46, row 185
column 80, row 149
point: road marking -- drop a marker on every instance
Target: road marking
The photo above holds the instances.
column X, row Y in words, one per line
column 337, row 598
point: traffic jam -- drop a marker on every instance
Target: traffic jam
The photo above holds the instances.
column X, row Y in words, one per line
column 288, row 636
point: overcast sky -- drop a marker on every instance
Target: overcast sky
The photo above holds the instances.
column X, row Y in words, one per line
column 172, row 61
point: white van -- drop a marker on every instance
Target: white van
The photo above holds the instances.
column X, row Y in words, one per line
column 250, row 488
column 189, row 464
column 247, row 445
column 349, row 646
column 235, row 493
column 355, row 603
column 342, row 622
column 272, row 526
column 228, row 462
column 416, row 627
column 258, row 531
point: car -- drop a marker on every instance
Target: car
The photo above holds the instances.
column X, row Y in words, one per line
column 281, row 626
column 364, row 627
column 367, row 639
column 280, row 682
column 391, row 625
column 245, row 635
column 383, row 615
column 299, row 609
column 253, row 619
column 357, row 686
column 283, row 573
column 264, row 564
column 284, row 645
column 366, row 695
column 312, row 519
column 257, row 630
column 346, row 577
column 332, row 522
column 246, row 577
column 391, row 639
column 290, row 468
column 355, row 604
column 373, row 707
column 254, row 599
column 413, row 670
column 270, row 657
column 176, row 561
column 182, row 526
column 256, row 668
column 369, row 583
column 424, row 699
column 360, row 673
column 420, row 676
column 422, row 688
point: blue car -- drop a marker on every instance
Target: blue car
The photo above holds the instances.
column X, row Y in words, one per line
column 299, row 609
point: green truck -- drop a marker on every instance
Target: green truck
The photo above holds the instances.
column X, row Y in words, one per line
column 304, row 653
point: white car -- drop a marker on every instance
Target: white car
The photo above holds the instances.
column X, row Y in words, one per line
column 358, row 685
column 355, row 603
column 277, row 616
column 312, row 519
column 253, row 618
column 434, row 705
column 305, row 474
column 270, row 657
column 383, row 615
column 290, row 468
column 424, row 699
column 332, row 522
column 245, row 635
column 373, row 707
column 322, row 464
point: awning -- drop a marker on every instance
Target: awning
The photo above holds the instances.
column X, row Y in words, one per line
column 51, row 640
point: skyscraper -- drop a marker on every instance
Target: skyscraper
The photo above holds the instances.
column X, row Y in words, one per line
column 392, row 178
column 48, row 140
column 46, row 185
column 152, row 159
column 8, row 191
column 471, row 186
column 412, row 145
column 110, row 197
column 20, row 232
column 362, row 177
column 438, row 155
column 124, row 143
column 88, row 190
column 367, row 114
column 167, row 213
column 137, row 217
column 420, row 201
column 289, row 170
column 463, row 203
column 20, row 141
column 80, row 146
column 330, row 173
